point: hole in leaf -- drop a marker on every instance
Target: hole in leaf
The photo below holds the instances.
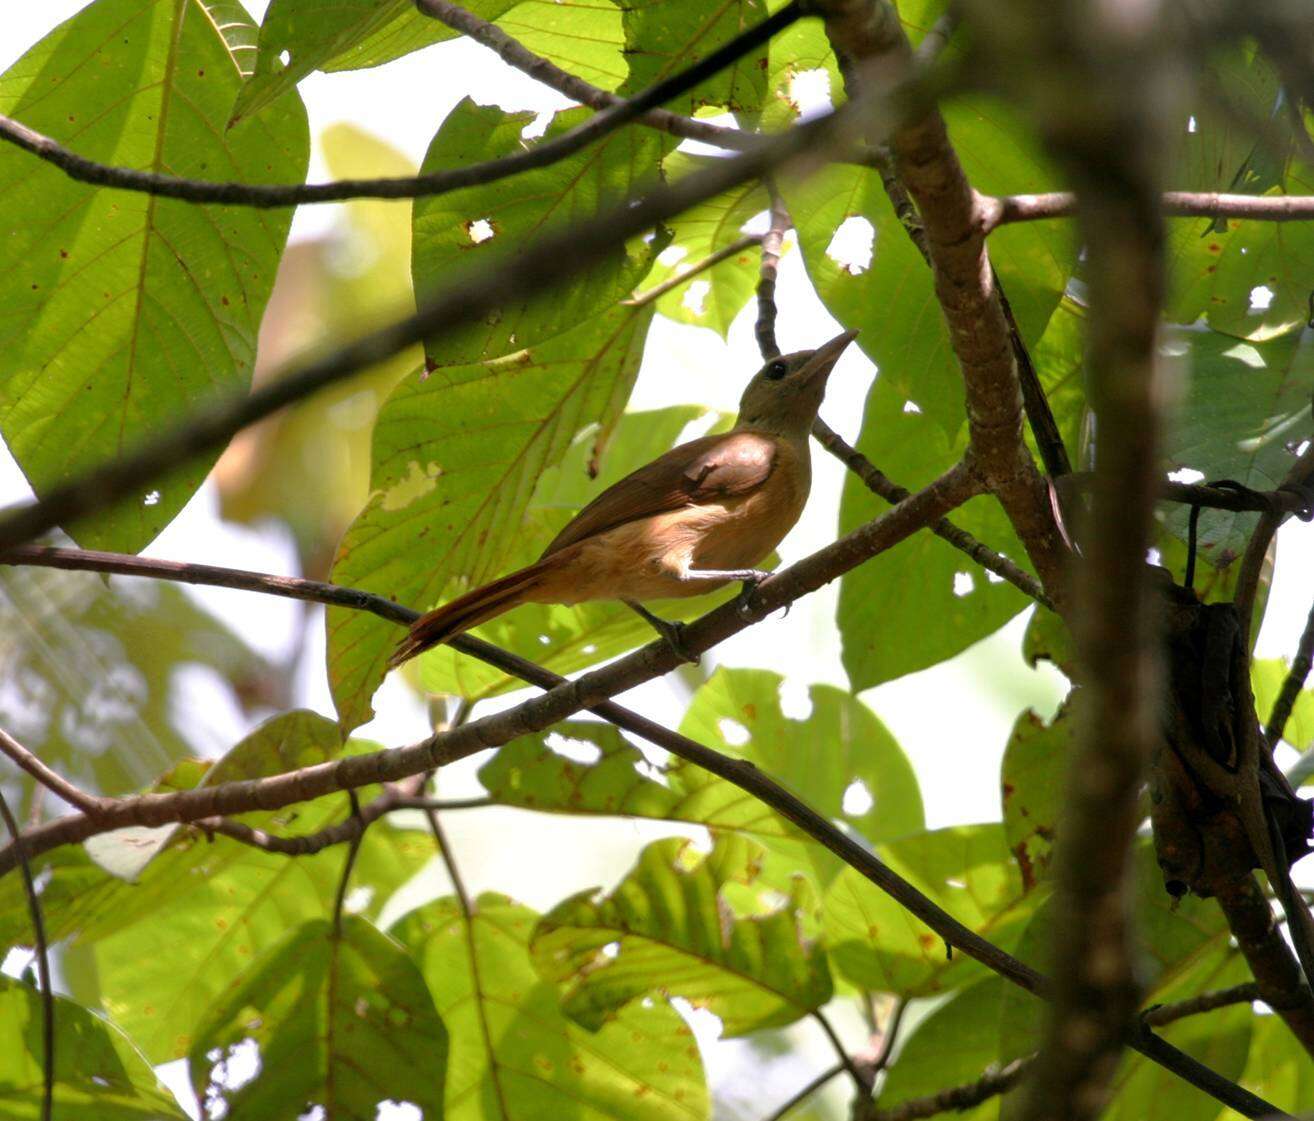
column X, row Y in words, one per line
column 695, row 297
column 1186, row 475
column 672, row 254
column 964, row 585
column 1191, row 126
column 857, row 799
column 852, row 245
column 236, row 1066
column 152, row 498
column 574, row 749
column 795, row 700
column 1261, row 298
column 285, row 57
column 809, row 92
column 398, row 1111
column 480, row 230
column 911, row 406
column 611, row 951
column 993, row 577
column 733, row 732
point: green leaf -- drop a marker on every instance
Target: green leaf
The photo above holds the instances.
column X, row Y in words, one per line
column 456, row 458
column 91, row 667
column 121, row 311
column 967, row 870
column 566, row 639
column 584, row 37
column 1034, row 781
column 849, row 752
column 339, row 1020
column 664, row 37
column 338, row 35
column 1278, row 1069
column 954, row 1045
column 99, row 1075
column 515, row 1056
column 716, row 296
column 668, row 928
column 1047, row 639
column 497, row 221
column 884, row 604
column 527, row 772
column 1247, row 407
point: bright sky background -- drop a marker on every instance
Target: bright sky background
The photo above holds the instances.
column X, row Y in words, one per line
column 972, row 700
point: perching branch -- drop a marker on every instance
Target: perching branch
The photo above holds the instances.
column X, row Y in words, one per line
column 742, row 774
column 42, row 962
column 1294, row 683
column 536, row 269
column 620, row 112
column 996, row 212
column 643, row 299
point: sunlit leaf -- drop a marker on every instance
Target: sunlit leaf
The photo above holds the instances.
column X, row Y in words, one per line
column 967, row 870
column 1278, row 1070
column 583, row 37
column 668, row 928
column 456, row 458
column 99, row 1075
column 497, row 221
column 1267, row 676
column 338, row 1019
column 122, row 311
column 1034, row 784
column 515, row 1057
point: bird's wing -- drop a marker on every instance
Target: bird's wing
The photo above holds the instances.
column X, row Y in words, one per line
column 703, row 470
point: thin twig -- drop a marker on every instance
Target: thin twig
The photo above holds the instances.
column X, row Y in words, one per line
column 772, row 243
column 1002, row 211
column 801, row 1095
column 443, row 805
column 745, row 776
column 48, row 778
column 643, row 299
column 547, row 152
column 42, row 962
column 538, row 267
column 889, row 1037
column 862, row 1080
column 991, row 1084
column 1294, row 683
column 347, row 865
column 1161, row 1014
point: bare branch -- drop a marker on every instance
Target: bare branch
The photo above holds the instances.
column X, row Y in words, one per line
column 991, row 1084
column 870, row 44
column 765, row 328
column 51, row 780
column 996, row 212
column 347, row 865
column 619, row 112
column 536, row 269
column 862, row 1080
column 799, row 1097
column 743, row 775
column 42, row 961
column 710, row 261
column 1294, row 683
column 1161, row 1014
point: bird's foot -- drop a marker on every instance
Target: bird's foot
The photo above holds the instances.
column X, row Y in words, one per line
column 673, row 633
column 748, row 594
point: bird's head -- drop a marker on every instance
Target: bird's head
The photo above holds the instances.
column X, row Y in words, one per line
column 785, row 394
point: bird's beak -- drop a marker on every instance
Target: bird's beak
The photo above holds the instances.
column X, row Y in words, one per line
column 825, row 356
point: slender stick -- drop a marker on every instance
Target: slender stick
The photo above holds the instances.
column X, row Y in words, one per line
column 348, row 864
column 1294, row 683
column 678, row 278
column 548, row 152
column 862, row 1081
column 1002, row 211
column 806, row 1091
column 51, row 780
column 1161, row 1014
column 42, row 961
column 772, row 242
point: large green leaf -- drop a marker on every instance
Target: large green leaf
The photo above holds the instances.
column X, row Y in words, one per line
column 119, row 310
column 668, row 928
column 885, row 603
column 91, row 668
column 340, row 1019
column 1278, row 1070
column 664, row 37
column 497, row 221
column 456, row 459
column 967, row 870
column 583, row 37
column 515, row 1056
column 529, row 773
column 565, row 639
column 99, row 1075
column 1247, row 408
column 300, row 36
column 840, row 748
column 1267, row 676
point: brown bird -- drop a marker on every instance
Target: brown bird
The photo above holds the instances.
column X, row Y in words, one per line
column 701, row 515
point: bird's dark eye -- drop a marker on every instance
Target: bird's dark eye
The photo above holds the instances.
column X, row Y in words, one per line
column 777, row 369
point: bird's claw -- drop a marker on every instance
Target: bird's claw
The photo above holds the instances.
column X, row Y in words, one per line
column 748, row 594
column 673, row 633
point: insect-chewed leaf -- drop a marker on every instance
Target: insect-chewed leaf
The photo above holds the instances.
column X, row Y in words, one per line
column 496, row 221
column 119, row 310
column 515, row 1057
column 669, row 928
column 456, row 459
column 341, row 1019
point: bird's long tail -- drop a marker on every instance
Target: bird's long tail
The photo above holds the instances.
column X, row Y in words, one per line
column 475, row 607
